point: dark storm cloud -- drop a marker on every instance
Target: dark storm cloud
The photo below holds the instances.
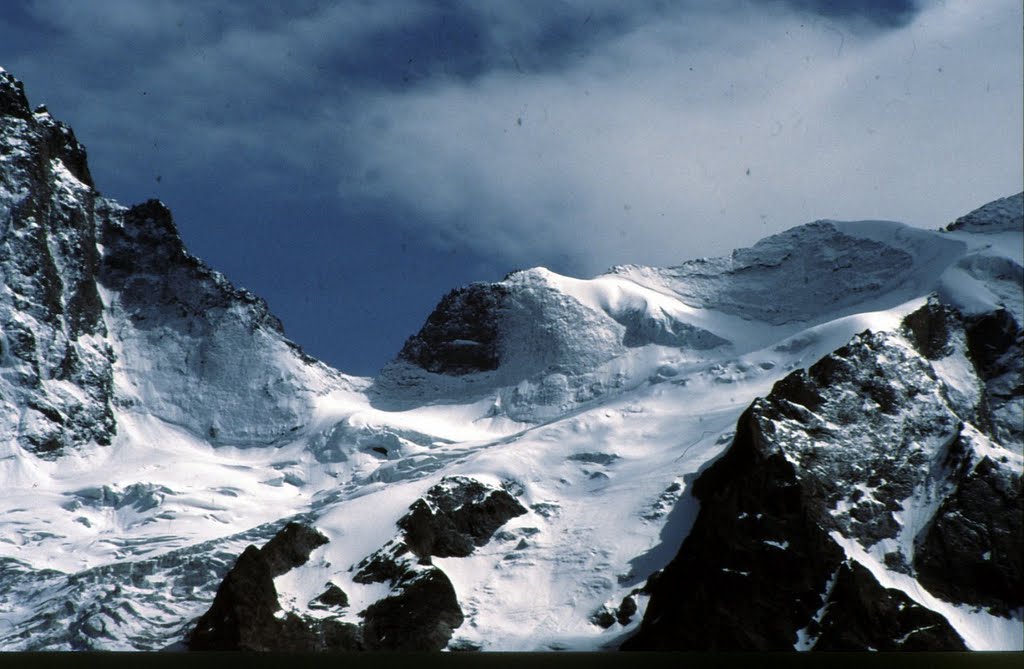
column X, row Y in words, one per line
column 701, row 131
column 882, row 13
column 351, row 161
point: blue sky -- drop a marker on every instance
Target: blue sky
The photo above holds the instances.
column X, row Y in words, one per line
column 353, row 161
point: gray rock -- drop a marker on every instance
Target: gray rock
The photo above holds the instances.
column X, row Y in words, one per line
column 456, row 516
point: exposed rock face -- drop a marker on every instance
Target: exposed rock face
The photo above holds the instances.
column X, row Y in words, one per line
column 291, row 547
column 846, row 422
column 461, row 334
column 450, row 520
column 55, row 364
column 195, row 350
column 455, row 516
column 332, row 597
column 860, row 614
column 420, row 614
column 928, row 329
column 755, row 553
column 489, row 336
column 105, row 308
column 971, row 552
column 995, row 345
column 243, row 615
column 861, row 445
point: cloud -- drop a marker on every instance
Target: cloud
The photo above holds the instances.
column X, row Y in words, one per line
column 702, row 131
column 577, row 134
column 352, row 160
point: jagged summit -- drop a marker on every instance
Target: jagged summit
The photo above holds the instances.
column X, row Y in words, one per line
column 12, row 96
column 60, row 140
column 106, row 311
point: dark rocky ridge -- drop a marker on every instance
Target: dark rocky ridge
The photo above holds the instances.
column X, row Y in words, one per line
column 146, row 261
column 972, row 551
column 450, row 520
column 420, row 615
column 242, row 616
column 455, row 516
column 1003, row 214
column 728, row 589
column 755, row 568
column 860, row 614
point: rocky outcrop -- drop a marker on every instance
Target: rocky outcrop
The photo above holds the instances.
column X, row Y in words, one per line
column 494, row 336
column 421, row 610
column 860, row 445
column 606, row 616
column 455, row 516
column 997, row 216
column 244, row 614
column 995, row 346
column 450, row 520
column 859, row 614
column 755, row 553
column 461, row 334
column 929, row 329
column 972, row 549
column 420, row 614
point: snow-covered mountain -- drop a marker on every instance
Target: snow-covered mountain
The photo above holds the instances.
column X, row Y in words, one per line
column 814, row 443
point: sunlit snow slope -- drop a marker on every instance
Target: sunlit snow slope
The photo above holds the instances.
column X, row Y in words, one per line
column 145, row 444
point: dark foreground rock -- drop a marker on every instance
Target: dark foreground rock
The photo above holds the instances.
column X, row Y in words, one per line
column 450, row 520
column 420, row 614
column 972, row 552
column 456, row 516
column 753, row 567
column 244, row 612
column 860, row 614
column 844, row 449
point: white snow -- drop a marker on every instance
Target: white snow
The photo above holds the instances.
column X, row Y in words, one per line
column 597, row 526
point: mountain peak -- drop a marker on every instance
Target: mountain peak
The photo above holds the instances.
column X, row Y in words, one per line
column 12, row 97
column 839, row 463
column 50, row 137
column 999, row 215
